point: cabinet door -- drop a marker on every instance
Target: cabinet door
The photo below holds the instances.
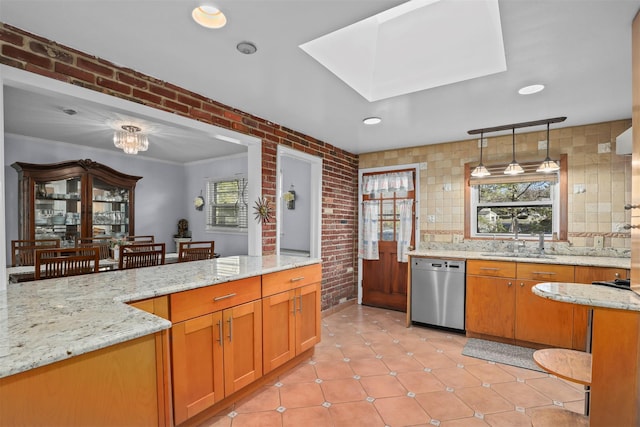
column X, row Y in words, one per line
column 541, row 320
column 307, row 317
column 242, row 345
column 587, row 275
column 490, row 306
column 198, row 380
column 278, row 332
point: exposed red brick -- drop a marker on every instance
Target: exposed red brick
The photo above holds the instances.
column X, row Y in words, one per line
column 231, row 115
column 11, row 62
column 159, row 90
column 23, row 55
column 94, row 67
column 113, row 85
column 11, row 37
column 200, row 115
column 51, row 52
column 146, row 96
column 74, row 72
column 189, row 100
column 239, row 127
column 213, row 109
column 44, row 72
column 175, row 106
column 131, row 80
column 221, row 122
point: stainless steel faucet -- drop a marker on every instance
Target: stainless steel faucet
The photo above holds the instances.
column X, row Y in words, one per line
column 541, row 243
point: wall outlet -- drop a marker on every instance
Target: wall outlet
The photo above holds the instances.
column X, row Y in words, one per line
column 605, row 147
column 598, row 242
column 431, row 218
column 457, row 238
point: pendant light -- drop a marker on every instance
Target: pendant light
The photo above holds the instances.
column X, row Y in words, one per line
column 480, row 171
column 514, row 168
column 548, row 165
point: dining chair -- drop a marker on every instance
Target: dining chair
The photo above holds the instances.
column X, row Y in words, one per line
column 141, row 239
column 23, row 251
column 103, row 243
column 141, row 255
column 63, row 262
column 194, row 251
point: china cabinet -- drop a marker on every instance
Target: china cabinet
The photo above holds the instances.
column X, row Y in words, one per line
column 74, row 199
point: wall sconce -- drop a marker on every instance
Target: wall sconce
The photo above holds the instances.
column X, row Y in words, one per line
column 290, row 198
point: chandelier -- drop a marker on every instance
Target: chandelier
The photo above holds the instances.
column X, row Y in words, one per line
column 130, row 140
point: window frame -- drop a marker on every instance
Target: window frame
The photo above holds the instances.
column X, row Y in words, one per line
column 559, row 201
column 238, row 228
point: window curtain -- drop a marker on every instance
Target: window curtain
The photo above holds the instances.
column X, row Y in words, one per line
column 405, row 212
column 388, row 182
column 369, row 239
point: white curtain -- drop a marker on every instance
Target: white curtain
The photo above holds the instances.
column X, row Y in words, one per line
column 405, row 211
column 369, row 240
column 388, row 182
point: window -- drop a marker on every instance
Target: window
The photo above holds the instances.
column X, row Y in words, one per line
column 227, row 204
column 526, row 204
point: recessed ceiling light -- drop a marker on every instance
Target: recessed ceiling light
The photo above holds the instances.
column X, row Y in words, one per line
column 528, row 90
column 247, row 48
column 209, row 16
column 372, row 120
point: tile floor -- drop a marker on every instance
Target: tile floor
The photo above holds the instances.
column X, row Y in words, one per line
column 370, row 370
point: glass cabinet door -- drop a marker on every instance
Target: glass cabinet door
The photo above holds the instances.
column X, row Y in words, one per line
column 110, row 210
column 57, row 210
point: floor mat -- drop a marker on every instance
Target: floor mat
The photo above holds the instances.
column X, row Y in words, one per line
column 507, row 354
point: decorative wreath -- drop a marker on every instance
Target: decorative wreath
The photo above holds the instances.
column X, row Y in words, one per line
column 198, row 202
column 263, row 210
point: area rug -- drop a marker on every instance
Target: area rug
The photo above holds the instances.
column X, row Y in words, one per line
column 507, row 354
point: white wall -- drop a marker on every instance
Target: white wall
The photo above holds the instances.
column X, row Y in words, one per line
column 295, row 230
column 163, row 196
column 197, row 175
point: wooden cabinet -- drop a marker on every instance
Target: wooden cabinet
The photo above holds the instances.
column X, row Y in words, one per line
column 74, row 199
column 216, row 345
column 291, row 300
column 500, row 304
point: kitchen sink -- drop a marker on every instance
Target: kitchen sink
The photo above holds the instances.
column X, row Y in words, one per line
column 517, row 255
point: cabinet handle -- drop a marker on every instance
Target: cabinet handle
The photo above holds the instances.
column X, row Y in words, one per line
column 220, row 332
column 509, row 284
column 490, row 268
column 627, row 207
column 617, row 275
column 521, row 285
column 224, row 297
column 294, row 306
column 230, row 328
column 300, row 305
column 629, row 226
column 551, row 273
column 297, row 279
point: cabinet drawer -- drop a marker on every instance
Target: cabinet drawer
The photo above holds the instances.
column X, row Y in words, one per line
column 546, row 272
column 491, row 268
column 285, row 280
column 196, row 302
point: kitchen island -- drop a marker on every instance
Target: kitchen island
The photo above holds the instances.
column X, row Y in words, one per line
column 46, row 323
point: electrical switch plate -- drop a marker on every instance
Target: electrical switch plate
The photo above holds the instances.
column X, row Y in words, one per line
column 431, row 218
column 457, row 238
column 605, row 147
column 598, row 242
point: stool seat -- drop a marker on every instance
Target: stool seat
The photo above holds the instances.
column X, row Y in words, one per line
column 571, row 365
column 557, row 417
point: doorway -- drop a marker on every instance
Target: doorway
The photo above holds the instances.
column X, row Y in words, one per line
column 384, row 280
column 299, row 213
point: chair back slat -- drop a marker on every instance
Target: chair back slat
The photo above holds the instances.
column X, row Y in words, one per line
column 194, row 251
column 141, row 239
column 103, row 244
column 23, row 251
column 62, row 262
column 141, row 255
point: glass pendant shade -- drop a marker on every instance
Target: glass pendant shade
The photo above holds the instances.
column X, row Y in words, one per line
column 130, row 140
column 548, row 165
column 480, row 171
column 514, row 167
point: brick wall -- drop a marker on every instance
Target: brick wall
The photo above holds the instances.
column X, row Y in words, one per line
column 340, row 169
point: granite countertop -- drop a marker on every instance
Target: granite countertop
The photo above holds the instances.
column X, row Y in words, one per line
column 590, row 295
column 588, row 261
column 45, row 321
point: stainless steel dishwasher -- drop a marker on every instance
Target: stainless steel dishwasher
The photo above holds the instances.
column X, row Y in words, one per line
column 438, row 292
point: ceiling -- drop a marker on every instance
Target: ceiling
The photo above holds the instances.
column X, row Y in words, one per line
column 581, row 52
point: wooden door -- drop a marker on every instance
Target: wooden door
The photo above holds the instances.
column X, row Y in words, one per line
column 198, row 376
column 490, row 306
column 307, row 317
column 384, row 281
column 242, row 345
column 278, row 343
column 540, row 320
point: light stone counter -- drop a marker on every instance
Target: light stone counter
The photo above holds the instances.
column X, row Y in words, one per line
column 45, row 321
column 593, row 296
column 588, row 261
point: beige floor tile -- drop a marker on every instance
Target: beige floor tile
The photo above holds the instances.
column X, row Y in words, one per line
column 218, row 421
column 508, row 419
column 420, row 382
column 402, row 363
column 302, row 373
column 346, row 390
column 298, row 395
column 258, row 419
column 464, row 422
column 327, row 353
column 389, row 350
column 353, row 351
column 382, row 386
column 521, row 373
column 333, row 369
column 489, row 373
column 521, row 394
column 556, row 389
column 368, row 366
column 401, row 411
column 456, row 377
column 317, row 416
column 266, row 399
column 444, row 405
column 484, row 400
column 355, row 414
column 434, row 360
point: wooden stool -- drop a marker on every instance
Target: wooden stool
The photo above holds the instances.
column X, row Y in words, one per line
column 557, row 417
column 571, row 365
